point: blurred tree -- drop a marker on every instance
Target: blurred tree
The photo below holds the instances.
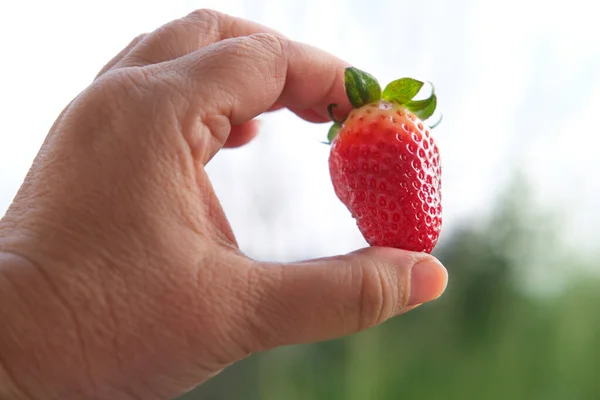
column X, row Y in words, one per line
column 487, row 337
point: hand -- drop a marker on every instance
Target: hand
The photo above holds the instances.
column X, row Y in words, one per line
column 120, row 277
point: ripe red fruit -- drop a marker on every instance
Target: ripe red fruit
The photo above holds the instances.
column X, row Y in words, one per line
column 384, row 164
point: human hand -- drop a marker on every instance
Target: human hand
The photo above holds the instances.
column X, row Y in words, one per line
column 120, row 276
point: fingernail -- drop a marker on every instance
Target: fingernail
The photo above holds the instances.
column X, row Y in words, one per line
column 428, row 280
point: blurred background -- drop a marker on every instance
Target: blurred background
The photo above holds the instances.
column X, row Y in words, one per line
column 518, row 84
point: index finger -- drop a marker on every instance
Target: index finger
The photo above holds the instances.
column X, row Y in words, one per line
column 243, row 77
column 188, row 34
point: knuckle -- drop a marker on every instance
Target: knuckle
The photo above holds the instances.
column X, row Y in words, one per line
column 378, row 294
column 200, row 27
column 271, row 51
column 204, row 15
column 270, row 42
column 261, row 45
column 139, row 38
column 156, row 47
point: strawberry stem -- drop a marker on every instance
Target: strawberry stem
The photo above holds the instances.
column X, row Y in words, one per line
column 330, row 112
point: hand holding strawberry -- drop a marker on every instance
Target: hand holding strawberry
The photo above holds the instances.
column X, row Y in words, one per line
column 385, row 165
column 120, row 276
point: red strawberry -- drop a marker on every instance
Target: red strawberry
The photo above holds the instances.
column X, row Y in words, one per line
column 384, row 164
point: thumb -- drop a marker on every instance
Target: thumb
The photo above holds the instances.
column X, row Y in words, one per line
column 326, row 298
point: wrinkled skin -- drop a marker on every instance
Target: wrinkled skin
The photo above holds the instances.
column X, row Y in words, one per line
column 120, row 277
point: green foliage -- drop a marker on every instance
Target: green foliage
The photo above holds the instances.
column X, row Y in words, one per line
column 361, row 87
column 402, row 90
column 486, row 338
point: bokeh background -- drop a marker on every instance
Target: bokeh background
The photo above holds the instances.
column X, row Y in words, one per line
column 518, row 84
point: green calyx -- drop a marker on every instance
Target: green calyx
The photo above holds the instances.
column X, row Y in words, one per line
column 403, row 91
column 362, row 88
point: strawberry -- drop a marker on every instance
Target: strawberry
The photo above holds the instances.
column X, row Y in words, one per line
column 385, row 165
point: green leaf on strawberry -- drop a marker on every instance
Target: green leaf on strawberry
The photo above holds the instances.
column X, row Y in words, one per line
column 423, row 108
column 402, row 91
column 333, row 131
column 361, row 87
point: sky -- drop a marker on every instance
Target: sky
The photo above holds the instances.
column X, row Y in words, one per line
column 517, row 81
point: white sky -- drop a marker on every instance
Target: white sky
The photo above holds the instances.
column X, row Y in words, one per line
column 518, row 83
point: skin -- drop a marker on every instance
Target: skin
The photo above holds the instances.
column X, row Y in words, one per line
column 120, row 277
